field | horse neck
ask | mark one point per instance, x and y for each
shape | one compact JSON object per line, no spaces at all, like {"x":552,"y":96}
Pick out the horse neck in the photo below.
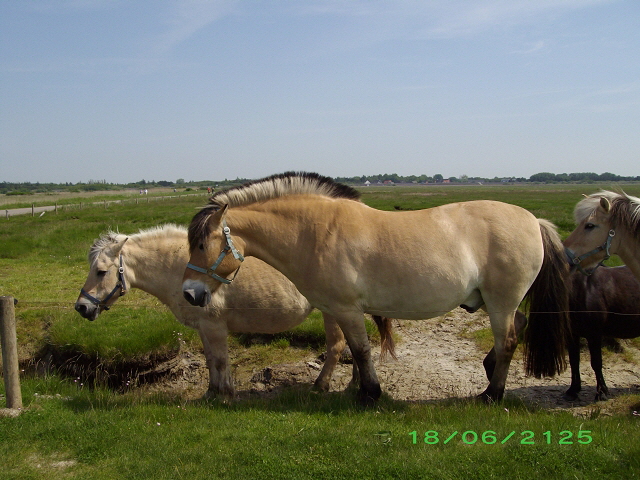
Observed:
{"x":629,"y":251}
{"x":273,"y":235}
{"x":155,"y":264}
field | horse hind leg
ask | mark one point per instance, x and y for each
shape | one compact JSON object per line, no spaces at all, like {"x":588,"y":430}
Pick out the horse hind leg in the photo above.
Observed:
{"x":595,"y":352}
{"x":335,"y":345}
{"x":489,"y":362}
{"x":505,"y":343}
{"x":574,"y":361}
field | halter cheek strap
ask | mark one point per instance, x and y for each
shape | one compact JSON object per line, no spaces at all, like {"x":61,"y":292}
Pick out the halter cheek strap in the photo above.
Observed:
{"x":229,"y":247}
{"x":577,"y":260}
{"x":121,"y":287}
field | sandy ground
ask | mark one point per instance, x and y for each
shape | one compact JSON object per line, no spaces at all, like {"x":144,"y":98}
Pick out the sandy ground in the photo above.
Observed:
{"x":435,"y":361}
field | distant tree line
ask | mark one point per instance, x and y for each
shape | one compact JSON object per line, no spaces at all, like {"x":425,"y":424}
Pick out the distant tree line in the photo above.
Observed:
{"x":544,"y":177}
{"x":10,"y":188}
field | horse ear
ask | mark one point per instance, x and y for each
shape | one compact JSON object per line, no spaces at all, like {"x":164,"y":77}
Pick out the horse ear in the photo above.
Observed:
{"x":219,"y":215}
{"x":605,"y":204}
{"x":118,"y":248}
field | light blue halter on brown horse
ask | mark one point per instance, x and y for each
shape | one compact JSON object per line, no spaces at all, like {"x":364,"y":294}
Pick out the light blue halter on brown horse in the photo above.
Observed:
{"x":608,"y":224}
{"x":348,"y":258}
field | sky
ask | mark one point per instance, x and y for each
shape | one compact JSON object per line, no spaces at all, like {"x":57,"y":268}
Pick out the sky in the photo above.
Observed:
{"x":128,"y":90}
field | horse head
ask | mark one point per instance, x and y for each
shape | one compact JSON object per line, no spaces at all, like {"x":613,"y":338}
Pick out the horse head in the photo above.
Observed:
{"x":106,"y":280}
{"x":593,"y":241}
{"x":214,"y":258}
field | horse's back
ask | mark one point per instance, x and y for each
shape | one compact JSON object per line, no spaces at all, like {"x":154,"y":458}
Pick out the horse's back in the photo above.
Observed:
{"x":435,"y":259}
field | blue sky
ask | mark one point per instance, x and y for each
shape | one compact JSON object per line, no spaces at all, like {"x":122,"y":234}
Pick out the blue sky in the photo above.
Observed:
{"x":160,"y":90}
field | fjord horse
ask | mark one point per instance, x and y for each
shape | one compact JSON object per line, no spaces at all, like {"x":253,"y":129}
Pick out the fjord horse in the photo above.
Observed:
{"x":608,"y":224}
{"x":262,"y":300}
{"x":348,"y":258}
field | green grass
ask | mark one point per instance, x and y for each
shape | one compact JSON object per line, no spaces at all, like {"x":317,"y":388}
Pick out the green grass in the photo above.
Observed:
{"x":85,"y":433}
{"x":88,"y":431}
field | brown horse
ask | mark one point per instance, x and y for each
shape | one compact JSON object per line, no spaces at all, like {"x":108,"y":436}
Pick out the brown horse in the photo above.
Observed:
{"x":605,"y":303}
{"x":261,"y":301}
{"x":608,"y":224}
{"x":348,"y":258}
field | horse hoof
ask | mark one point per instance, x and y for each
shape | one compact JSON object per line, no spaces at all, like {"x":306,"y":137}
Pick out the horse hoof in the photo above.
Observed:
{"x":570,"y":396}
{"x":368,"y":399}
{"x":320,"y":387}
{"x":601,"y":397}
{"x":489,"y":397}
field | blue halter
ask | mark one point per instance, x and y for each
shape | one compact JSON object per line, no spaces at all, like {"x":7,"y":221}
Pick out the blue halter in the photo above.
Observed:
{"x":229,"y":247}
{"x":576,"y":261}
{"x":121,"y":286}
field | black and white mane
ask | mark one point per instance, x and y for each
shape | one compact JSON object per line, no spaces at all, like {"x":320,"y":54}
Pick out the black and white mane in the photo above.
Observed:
{"x":624,"y":211}
{"x":274,"y":186}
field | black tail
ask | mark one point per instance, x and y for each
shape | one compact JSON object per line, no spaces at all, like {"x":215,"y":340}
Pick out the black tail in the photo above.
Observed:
{"x":545,"y":337}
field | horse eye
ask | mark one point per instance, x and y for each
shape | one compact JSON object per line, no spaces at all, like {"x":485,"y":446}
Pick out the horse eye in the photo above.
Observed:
{"x":102,"y":273}
{"x":589,"y":226}
{"x":201,"y":246}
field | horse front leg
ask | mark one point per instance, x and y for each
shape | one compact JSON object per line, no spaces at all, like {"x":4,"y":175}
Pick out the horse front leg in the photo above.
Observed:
{"x":595,"y":352}
{"x":354,"y":330}
{"x":505,"y":343}
{"x":216,"y":352}
{"x":574,"y":361}
{"x":335,"y":346}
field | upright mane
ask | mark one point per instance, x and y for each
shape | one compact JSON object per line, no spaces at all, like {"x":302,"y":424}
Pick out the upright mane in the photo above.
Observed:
{"x":624,"y":211}
{"x":111,"y":238}
{"x":274,"y":186}
{"x":280,"y":185}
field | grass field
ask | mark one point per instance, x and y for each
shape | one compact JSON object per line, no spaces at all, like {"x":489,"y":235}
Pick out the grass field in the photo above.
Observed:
{"x":74,"y":430}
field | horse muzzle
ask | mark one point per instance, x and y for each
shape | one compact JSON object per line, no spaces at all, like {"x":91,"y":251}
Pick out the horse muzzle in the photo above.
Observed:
{"x":87,"y":310}
{"x":196,"y":293}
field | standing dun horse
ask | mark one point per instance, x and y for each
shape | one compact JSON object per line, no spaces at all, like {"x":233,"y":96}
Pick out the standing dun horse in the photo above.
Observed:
{"x":608,"y":224}
{"x":261,"y":301}
{"x":348,"y":258}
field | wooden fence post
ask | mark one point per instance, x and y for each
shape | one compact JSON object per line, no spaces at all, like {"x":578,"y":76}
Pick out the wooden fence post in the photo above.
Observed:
{"x":9,"y":345}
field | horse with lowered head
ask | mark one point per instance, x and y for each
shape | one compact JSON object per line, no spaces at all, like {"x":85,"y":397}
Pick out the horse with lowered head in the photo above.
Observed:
{"x":261,"y":300}
{"x":349,"y":259}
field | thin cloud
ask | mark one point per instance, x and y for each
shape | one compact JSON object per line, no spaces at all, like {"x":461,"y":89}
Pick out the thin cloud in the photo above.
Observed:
{"x":188,"y":17}
{"x":532,"y":48}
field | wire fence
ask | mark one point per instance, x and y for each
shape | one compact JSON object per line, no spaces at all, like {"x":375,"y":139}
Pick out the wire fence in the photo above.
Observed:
{"x":142,"y":199}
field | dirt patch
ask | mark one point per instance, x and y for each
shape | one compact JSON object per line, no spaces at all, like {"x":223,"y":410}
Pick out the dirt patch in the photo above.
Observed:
{"x":435,"y":362}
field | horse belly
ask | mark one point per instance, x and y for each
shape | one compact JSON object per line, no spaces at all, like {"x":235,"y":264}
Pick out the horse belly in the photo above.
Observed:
{"x":621,"y":326}
{"x":422,"y":300}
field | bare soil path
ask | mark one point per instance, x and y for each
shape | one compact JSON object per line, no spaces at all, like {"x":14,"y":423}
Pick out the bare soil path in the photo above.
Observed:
{"x":435,"y":361}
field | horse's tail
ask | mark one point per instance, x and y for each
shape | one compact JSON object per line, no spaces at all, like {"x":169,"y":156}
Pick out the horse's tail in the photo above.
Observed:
{"x":387,"y":345}
{"x":545,"y":337}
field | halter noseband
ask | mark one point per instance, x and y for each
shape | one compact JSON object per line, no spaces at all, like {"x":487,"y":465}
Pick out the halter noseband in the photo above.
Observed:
{"x":229,"y":247}
{"x":121,"y":286}
{"x":576,"y":261}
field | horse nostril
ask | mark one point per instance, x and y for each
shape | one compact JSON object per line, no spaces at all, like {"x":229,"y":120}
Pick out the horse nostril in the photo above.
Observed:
{"x":190,"y":295}
{"x":81,"y":309}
